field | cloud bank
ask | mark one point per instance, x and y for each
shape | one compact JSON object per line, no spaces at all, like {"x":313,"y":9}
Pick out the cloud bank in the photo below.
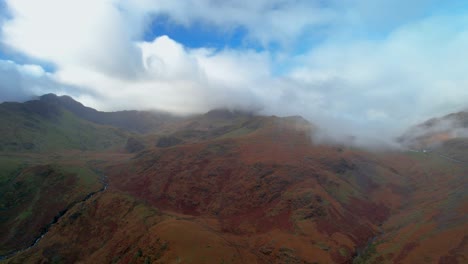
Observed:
{"x":374,"y":67}
{"x":20,"y":82}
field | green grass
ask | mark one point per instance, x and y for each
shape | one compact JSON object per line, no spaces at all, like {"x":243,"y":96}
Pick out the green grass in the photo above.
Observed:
{"x":87,"y":176}
{"x":32,"y":194}
{"x":9,"y":168}
{"x":343,"y":192}
{"x":30,"y":132}
{"x":25,"y":214}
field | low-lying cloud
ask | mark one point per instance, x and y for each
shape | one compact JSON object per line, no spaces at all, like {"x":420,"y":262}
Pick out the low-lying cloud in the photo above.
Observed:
{"x":357,"y":79}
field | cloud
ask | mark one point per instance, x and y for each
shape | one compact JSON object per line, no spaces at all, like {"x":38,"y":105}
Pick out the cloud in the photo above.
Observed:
{"x":22,"y":82}
{"x":266,"y":21}
{"x":414,"y":73}
{"x":94,"y":33}
{"x":176,"y":79}
{"x":373,"y":70}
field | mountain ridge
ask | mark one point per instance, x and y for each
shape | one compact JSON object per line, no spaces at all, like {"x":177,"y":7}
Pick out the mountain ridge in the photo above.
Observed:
{"x":130,"y":120}
{"x":224,"y":187}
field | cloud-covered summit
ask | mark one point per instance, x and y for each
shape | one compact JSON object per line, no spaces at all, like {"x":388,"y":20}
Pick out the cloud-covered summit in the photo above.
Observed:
{"x":372,"y":66}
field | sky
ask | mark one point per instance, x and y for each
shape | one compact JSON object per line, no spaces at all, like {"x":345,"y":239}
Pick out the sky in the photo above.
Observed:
{"x":353,"y":67}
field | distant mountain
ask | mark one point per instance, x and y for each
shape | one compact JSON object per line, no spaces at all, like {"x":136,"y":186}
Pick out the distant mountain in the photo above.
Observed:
{"x":134,"y":121}
{"x":447,"y":135}
{"x":40,"y":125}
{"x":435,"y":131}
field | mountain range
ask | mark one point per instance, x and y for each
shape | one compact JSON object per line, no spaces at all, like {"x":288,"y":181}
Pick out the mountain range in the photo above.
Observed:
{"x":227,"y":186}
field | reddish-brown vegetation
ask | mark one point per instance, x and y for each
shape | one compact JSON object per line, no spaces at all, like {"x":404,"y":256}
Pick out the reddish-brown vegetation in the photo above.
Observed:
{"x":263,"y":194}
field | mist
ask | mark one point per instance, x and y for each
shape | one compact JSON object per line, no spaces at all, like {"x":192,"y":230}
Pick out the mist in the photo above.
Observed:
{"x":435,"y":131}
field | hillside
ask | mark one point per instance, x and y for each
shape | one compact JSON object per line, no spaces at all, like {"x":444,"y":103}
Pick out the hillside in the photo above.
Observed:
{"x":35,"y":194}
{"x":227,"y":187}
{"x":38,"y":126}
{"x":447,"y":135}
{"x":133,"y":121}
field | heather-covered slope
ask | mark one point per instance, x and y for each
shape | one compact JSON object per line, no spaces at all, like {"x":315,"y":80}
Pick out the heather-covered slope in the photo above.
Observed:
{"x":270,"y":183}
{"x":233,"y":187}
{"x":432,"y":226}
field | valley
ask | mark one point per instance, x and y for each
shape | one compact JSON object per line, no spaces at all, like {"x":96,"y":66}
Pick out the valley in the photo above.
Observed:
{"x":222,"y":187}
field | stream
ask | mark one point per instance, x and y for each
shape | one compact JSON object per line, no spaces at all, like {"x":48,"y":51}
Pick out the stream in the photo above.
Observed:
{"x":57,"y":217}
{"x":363,"y":250}
{"x":103,"y":180}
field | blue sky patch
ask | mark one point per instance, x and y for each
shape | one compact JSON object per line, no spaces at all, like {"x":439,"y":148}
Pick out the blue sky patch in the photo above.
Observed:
{"x":199,"y":34}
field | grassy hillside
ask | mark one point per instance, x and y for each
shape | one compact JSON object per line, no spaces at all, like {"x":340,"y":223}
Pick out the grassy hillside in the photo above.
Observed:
{"x":37,"y":126}
{"x":134,"y":121}
{"x":32,"y":195}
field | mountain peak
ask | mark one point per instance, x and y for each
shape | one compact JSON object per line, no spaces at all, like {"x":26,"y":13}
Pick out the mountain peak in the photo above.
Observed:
{"x":224,"y":113}
{"x":63,"y":100}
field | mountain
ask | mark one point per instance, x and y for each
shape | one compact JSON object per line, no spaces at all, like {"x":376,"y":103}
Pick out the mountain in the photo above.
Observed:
{"x":34,"y":195}
{"x":39,"y":126}
{"x":133,"y":121}
{"x":447,"y":135}
{"x":223,"y":187}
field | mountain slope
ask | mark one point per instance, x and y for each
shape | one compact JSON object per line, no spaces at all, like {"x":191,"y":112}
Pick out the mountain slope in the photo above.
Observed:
{"x":271,"y":182}
{"x":447,"y":135}
{"x":233,"y":187}
{"x":40,"y":126}
{"x":134,"y":121}
{"x":33,"y":195}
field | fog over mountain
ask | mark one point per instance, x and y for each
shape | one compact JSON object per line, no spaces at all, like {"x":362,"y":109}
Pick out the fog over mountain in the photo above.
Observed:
{"x":367,"y":69}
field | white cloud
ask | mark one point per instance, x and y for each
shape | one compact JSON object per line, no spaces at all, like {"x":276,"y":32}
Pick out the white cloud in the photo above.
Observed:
{"x":414,"y":73}
{"x":374,"y":86}
{"x":175,"y":79}
{"x":22,"y":82}
{"x":267,"y":21}
{"x":165,"y":59}
{"x":92,"y":33}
